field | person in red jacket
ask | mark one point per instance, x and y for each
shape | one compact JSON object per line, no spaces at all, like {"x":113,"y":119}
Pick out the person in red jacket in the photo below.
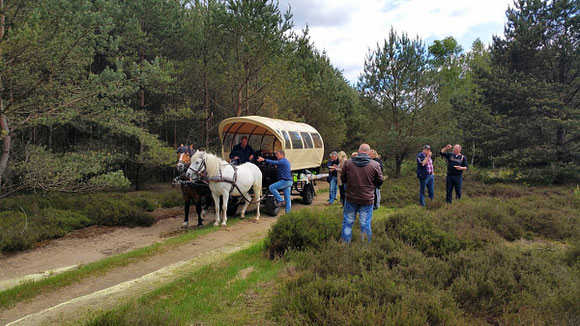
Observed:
{"x":362,"y":176}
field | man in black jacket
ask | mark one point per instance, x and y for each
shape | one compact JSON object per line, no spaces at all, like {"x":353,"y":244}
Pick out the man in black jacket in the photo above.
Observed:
{"x":456,"y":164}
{"x":242,"y":152}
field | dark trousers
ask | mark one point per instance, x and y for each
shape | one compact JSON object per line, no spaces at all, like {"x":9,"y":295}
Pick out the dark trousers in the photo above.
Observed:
{"x":450,"y":182}
{"x":341,"y":192}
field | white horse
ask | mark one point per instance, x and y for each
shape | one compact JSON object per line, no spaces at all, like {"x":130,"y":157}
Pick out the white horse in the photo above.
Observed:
{"x":222,"y":178}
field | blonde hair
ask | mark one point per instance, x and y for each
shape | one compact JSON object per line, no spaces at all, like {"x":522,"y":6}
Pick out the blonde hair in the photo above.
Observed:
{"x":374,"y":153}
{"x":342,"y":156}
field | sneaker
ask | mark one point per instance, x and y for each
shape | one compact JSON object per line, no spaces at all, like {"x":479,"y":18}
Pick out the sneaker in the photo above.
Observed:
{"x":328,"y":203}
{"x":278,"y":203}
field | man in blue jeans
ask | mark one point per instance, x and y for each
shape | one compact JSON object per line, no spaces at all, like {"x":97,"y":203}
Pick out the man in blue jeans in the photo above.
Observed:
{"x":362,"y":175}
{"x":284,"y":182}
{"x":425,"y":174}
{"x":332,"y":178}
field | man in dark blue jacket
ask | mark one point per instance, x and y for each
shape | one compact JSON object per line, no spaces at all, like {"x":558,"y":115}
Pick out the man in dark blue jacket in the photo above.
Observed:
{"x":456,"y":164}
{"x":425,"y":174}
{"x":284,"y":182}
{"x":242,"y":152}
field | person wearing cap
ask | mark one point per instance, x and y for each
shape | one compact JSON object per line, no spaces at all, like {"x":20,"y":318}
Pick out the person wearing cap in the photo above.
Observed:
{"x":332,"y":177}
{"x":425,"y":174}
{"x":456,"y":164}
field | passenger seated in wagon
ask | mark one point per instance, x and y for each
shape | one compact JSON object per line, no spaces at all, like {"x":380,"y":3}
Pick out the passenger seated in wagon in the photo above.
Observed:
{"x":242,"y":152}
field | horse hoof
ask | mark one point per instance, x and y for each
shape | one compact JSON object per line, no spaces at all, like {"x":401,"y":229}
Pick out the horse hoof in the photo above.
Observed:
{"x":184,"y":225}
{"x":200,"y":225}
{"x":224,"y":224}
{"x":216,"y":224}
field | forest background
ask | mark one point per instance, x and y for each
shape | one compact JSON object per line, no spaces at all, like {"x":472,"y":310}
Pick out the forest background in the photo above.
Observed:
{"x":97,"y":95}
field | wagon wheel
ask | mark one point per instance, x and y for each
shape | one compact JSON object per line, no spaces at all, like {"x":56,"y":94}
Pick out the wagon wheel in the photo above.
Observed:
{"x":308,"y":194}
{"x":271,"y":208}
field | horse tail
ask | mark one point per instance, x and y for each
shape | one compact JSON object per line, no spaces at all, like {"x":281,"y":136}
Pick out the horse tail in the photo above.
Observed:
{"x":258,"y":186}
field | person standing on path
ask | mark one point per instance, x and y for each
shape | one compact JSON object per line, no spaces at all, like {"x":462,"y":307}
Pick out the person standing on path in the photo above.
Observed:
{"x":332,"y":177}
{"x":425,"y":174}
{"x":377,"y":158}
{"x":342,"y":158}
{"x":362,"y":176}
{"x":285,"y":180}
{"x":456,"y":164}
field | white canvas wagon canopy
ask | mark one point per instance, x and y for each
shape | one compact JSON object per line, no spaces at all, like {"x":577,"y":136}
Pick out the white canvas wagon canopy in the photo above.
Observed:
{"x":302,"y":144}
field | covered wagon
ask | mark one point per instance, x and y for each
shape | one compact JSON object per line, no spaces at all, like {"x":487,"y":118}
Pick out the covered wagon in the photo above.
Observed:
{"x":302,"y":144}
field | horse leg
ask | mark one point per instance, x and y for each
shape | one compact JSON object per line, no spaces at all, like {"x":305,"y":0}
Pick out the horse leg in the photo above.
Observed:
{"x":257,"y":196}
{"x":185,"y":223}
{"x":246,"y":204}
{"x":216,"y":201}
{"x":225,"y":209}
{"x":198,"y":211}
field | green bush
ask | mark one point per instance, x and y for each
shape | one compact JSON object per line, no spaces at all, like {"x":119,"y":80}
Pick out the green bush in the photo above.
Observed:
{"x":417,"y":228}
{"x":20,"y":231}
{"x":52,"y":215}
{"x":113,"y":212}
{"x":301,"y":230}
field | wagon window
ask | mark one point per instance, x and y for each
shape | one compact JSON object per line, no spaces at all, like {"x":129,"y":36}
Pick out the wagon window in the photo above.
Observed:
{"x":267,"y":146}
{"x":296,"y":139}
{"x":228,"y":143}
{"x":307,"y":140}
{"x":286,"y":139}
{"x":317,"y":140}
{"x":254,"y":141}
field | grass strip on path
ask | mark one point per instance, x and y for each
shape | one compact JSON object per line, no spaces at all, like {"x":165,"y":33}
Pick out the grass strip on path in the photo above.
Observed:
{"x":28,"y":290}
{"x":233,"y":291}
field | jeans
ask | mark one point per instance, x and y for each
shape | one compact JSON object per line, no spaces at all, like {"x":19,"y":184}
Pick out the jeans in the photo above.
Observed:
{"x":377,"y":202}
{"x":285,"y":185}
{"x":332,"y":190}
{"x":450,"y":182}
{"x":428,"y":182}
{"x":349,"y":215}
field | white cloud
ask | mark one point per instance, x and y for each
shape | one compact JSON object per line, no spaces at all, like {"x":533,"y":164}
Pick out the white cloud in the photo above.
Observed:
{"x":346,"y":29}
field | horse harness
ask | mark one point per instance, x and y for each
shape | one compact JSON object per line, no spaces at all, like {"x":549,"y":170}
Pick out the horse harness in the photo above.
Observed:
{"x":232,"y":181}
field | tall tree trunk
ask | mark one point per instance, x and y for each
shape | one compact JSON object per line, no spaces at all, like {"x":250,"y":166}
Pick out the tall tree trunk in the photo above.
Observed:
{"x":4,"y":128}
{"x":206,"y":107}
{"x":398,"y":163}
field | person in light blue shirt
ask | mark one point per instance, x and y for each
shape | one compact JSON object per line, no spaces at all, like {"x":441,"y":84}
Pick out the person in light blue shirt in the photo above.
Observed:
{"x":284,"y":182}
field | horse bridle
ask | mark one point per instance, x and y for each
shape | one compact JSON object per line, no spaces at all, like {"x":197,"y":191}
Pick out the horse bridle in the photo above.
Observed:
{"x":202,"y":167}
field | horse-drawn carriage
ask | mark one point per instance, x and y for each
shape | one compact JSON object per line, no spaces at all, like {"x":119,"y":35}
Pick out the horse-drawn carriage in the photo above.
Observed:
{"x":302,"y":144}
{"x":248,"y":183}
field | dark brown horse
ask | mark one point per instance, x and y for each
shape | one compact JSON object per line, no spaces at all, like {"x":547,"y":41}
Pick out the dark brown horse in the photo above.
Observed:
{"x":198,"y":193}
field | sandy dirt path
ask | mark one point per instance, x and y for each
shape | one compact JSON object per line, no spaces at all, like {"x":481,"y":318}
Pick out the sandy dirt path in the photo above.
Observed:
{"x":100,"y":291}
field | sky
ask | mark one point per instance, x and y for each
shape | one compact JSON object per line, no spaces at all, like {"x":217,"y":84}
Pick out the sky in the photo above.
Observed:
{"x":346,"y":29}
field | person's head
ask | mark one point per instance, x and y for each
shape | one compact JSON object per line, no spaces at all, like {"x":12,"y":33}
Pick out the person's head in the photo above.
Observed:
{"x":354,"y":154}
{"x":280,"y":154}
{"x":426,"y":149}
{"x":244,"y":140}
{"x":342,"y":156}
{"x":364,"y":149}
{"x":180,"y":145}
{"x":373,"y":154}
{"x":333,"y":155}
{"x":457,"y":149}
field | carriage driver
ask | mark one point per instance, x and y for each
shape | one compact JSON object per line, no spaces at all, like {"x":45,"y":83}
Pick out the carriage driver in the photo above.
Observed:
{"x":284,"y":178}
{"x":242,"y":152}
